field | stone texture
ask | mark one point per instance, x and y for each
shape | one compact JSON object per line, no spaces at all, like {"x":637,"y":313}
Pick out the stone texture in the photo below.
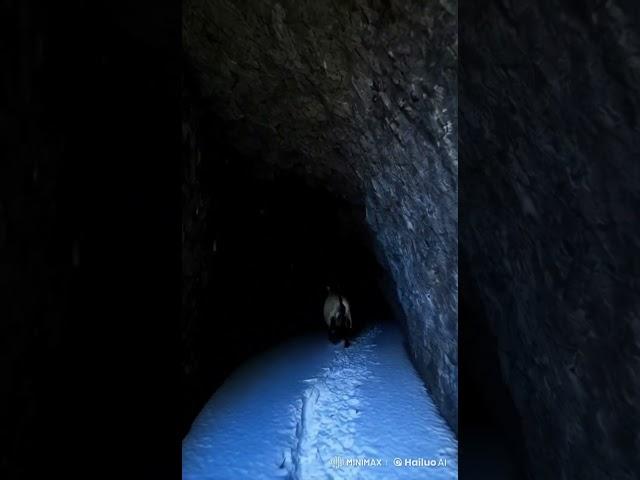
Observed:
{"x":359,"y":97}
{"x":549,"y":151}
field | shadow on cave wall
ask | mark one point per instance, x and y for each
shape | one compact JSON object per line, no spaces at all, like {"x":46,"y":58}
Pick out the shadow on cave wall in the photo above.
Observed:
{"x":491,"y":439}
{"x":259,"y":247}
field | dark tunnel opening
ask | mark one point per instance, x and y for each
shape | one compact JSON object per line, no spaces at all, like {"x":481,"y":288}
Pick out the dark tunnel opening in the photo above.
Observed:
{"x":260,"y":246}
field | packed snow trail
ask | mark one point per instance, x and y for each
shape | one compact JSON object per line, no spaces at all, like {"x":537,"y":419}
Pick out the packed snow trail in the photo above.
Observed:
{"x":311,"y":410}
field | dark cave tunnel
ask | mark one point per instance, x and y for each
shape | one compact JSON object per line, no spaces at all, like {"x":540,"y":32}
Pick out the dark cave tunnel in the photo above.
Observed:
{"x":329,"y":179}
{"x":329,"y":154}
{"x":259,"y":249}
{"x":259,"y":246}
{"x":371,"y":205}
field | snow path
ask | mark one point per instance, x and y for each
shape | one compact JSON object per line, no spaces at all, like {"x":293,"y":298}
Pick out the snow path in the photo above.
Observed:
{"x":327,"y":412}
{"x":308,"y":409}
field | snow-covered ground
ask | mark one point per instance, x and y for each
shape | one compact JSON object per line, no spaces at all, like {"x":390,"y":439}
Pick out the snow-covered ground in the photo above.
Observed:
{"x":311,"y":410}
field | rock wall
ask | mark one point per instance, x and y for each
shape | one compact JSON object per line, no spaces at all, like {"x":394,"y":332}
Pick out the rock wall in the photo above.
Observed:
{"x":549,"y":150}
{"x":359,"y":96}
